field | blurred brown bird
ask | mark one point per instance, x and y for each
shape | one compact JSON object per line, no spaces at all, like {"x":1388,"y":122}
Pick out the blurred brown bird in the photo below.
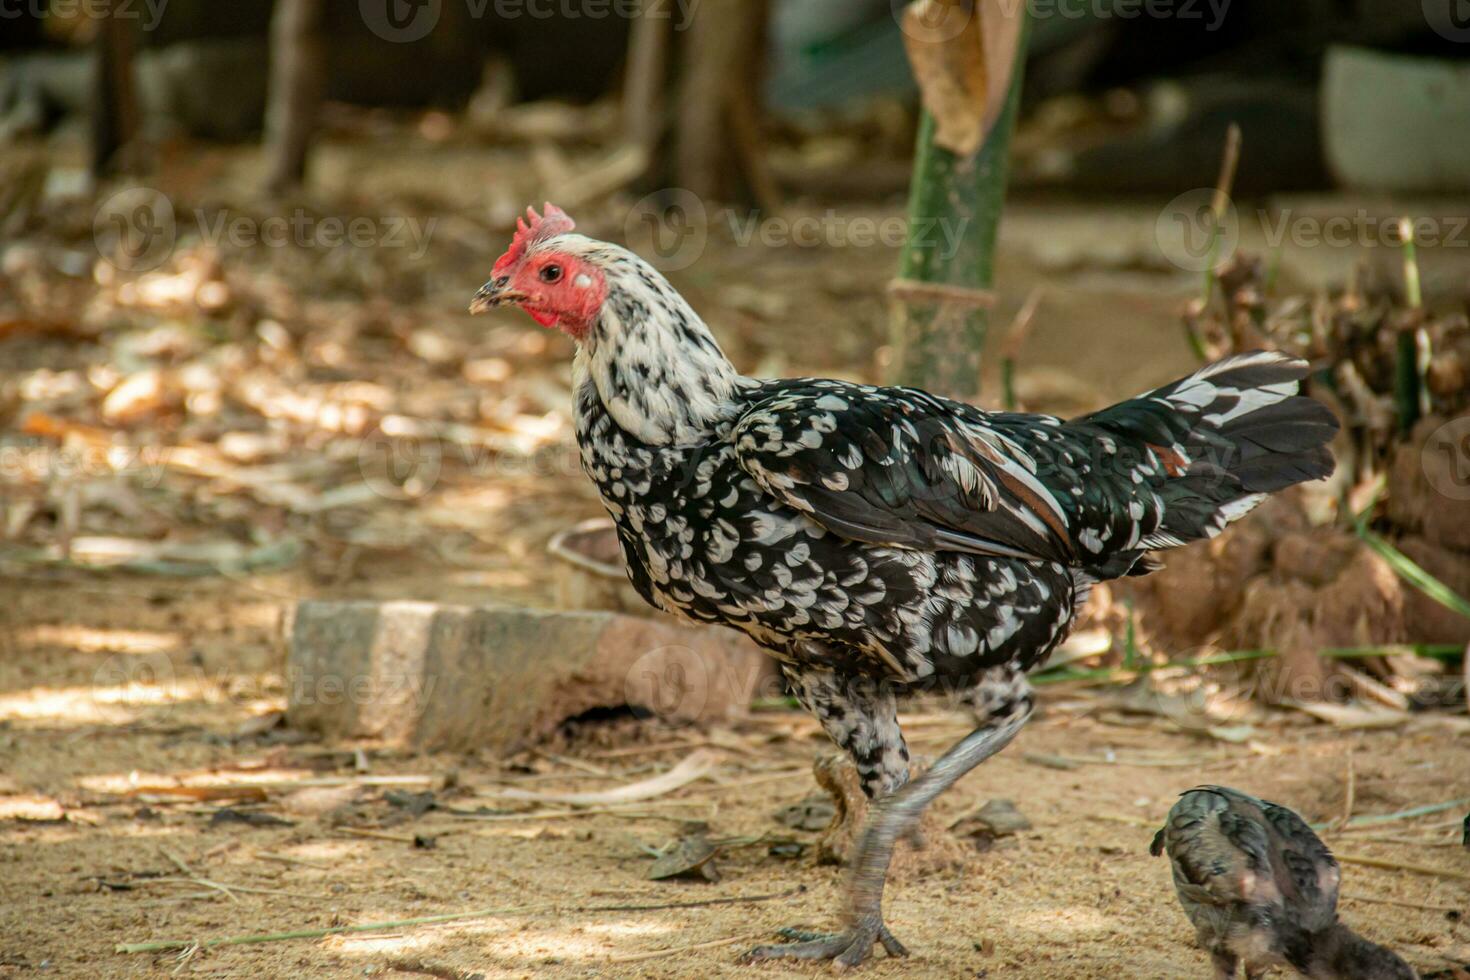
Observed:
{"x":1261,"y":888}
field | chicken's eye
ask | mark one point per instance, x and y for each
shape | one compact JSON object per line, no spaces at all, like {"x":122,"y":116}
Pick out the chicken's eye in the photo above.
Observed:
{"x":551,"y":273}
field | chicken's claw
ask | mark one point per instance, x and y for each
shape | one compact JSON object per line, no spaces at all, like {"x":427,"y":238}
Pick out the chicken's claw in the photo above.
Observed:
{"x":845,"y":949}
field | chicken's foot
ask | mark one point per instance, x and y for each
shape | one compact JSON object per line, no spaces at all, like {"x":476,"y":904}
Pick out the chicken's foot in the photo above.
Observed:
{"x":888,"y":819}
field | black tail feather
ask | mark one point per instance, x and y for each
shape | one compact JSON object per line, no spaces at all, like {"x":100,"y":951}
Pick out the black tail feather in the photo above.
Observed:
{"x":1239,"y":431}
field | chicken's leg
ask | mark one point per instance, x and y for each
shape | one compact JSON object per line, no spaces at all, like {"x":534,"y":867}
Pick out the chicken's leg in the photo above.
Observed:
{"x":1226,"y":964}
{"x":861,"y":716}
{"x":1004,"y":697}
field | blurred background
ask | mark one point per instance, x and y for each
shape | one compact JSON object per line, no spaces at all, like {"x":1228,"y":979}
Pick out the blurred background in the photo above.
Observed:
{"x":237,"y":243}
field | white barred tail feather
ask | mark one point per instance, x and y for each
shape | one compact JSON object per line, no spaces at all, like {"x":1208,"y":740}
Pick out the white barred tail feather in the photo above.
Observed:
{"x":1229,"y":434}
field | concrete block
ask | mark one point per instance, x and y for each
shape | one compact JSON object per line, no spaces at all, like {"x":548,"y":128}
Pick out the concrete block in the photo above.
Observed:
{"x":1398,"y":124}
{"x":458,"y":677}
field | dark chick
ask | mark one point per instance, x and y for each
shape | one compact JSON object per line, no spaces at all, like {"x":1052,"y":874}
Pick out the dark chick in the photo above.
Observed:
{"x":1261,"y":889}
{"x":881,"y":542}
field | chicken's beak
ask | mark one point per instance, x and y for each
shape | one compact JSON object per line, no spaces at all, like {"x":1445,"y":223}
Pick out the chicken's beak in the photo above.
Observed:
{"x":493,"y":294}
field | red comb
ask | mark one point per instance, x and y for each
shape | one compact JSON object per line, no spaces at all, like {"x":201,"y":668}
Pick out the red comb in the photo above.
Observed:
{"x":538,"y":228}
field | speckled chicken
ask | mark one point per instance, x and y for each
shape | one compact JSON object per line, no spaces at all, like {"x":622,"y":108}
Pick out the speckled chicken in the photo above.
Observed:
{"x":1261,"y":889}
{"x":880,"y":542}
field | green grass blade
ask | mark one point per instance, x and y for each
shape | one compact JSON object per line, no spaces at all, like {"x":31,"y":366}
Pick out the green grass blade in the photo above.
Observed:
{"x":1413,"y":573}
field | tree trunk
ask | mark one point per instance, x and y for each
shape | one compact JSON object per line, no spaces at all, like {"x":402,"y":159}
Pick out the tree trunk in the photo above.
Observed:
{"x":942,"y":299}
{"x":297,"y":77}
{"x":644,"y":80}
{"x":114,"y":98}
{"x":719,"y":104}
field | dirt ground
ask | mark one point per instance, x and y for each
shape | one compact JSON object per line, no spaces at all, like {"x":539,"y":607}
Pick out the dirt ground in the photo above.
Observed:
{"x":1075,"y":896}
{"x":116,"y":689}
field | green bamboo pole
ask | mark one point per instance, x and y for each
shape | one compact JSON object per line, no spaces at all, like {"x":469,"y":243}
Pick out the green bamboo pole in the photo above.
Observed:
{"x":954,"y":213}
{"x":1411,"y":388}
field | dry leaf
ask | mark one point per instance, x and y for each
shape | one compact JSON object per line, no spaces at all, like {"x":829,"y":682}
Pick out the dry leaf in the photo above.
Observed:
{"x":30,"y":807}
{"x":317,"y":800}
{"x":694,"y":766}
{"x":691,"y":857}
{"x":963,"y":55}
{"x":1352,"y":715}
{"x":134,"y":397}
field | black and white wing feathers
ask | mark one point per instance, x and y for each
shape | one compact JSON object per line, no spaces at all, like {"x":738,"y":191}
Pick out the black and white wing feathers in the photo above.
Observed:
{"x":895,"y":466}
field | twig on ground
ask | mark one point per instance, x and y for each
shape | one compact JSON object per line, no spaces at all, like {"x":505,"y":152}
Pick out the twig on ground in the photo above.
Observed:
{"x":1375,"y":690}
{"x":229,"y":889}
{"x":288,"y":859}
{"x":649,"y":749}
{"x":1381,"y":900}
{"x":676,"y":950}
{"x":1407,"y":841}
{"x":192,"y":875}
{"x":1349,"y":794}
{"x":1374,"y":819}
{"x":573,"y":763}
{"x":1388,"y":864}
{"x":591,"y":811}
{"x":695,"y":766}
{"x":259,"y":790}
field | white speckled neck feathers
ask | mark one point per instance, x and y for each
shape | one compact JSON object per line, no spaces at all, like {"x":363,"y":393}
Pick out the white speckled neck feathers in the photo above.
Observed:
{"x":653,"y":363}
